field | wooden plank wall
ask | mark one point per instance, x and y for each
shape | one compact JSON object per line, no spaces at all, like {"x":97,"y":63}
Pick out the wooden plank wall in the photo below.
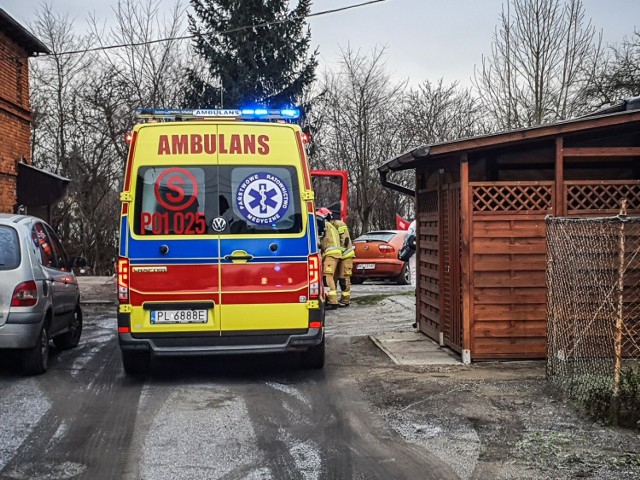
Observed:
{"x":428,"y":264}
{"x":451,"y":303}
{"x":508,"y":262}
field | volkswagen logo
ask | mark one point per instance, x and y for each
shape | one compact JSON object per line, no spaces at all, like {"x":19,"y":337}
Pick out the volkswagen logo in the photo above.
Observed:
{"x":218,"y":224}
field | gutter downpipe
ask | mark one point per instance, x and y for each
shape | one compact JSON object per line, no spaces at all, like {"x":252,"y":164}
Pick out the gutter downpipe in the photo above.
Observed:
{"x":419,"y":153}
{"x":394,"y":186}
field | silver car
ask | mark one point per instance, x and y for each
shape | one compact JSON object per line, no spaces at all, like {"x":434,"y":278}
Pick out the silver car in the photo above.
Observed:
{"x":39,"y":295}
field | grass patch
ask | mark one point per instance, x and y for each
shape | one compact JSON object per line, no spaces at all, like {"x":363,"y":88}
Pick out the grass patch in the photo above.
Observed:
{"x":599,"y":401}
{"x":369,"y":299}
{"x":544,"y":443}
{"x":377,"y":298}
{"x":408,"y":293}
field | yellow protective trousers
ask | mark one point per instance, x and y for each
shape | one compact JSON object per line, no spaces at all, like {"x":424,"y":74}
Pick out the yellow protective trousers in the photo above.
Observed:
{"x":329,"y":266}
{"x":345,"y":269}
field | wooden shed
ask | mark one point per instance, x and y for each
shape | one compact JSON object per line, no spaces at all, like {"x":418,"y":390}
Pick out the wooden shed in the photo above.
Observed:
{"x":480,"y":208}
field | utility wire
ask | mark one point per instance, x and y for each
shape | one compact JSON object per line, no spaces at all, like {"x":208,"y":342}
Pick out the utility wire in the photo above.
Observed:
{"x":199,"y":35}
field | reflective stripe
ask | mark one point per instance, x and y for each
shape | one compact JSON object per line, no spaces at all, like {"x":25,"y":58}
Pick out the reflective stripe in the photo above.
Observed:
{"x":346,"y":294}
{"x":331,"y":242}
{"x":349,"y":252}
{"x":332,"y":250}
{"x":342,"y":229}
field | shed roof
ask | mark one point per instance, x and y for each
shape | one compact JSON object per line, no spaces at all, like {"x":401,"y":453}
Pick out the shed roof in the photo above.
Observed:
{"x":21,"y":35}
{"x":619,"y":114}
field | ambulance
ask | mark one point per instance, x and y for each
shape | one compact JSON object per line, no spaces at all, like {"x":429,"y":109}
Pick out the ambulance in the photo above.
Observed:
{"x":218,"y":246}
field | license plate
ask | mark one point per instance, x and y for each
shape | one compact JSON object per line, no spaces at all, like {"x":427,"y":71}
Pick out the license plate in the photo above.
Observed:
{"x":178,"y":316}
{"x":366,"y":266}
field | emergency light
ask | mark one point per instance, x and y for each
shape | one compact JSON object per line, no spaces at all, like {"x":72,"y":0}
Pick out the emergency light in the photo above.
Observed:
{"x":169,"y":114}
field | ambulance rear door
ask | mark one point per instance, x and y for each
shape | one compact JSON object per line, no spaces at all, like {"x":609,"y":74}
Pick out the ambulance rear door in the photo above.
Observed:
{"x":173,"y":250}
{"x":264,"y":235}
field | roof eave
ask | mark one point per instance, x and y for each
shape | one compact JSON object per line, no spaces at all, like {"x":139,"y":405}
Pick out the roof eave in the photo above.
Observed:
{"x":414,"y":157}
{"x":21,"y":35}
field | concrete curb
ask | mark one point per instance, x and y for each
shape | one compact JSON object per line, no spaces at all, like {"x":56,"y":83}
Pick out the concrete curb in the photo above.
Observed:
{"x":413,"y":348}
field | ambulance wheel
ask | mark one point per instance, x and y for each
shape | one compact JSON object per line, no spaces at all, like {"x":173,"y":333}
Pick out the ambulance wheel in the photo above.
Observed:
{"x":136,"y":363}
{"x":314,"y":357}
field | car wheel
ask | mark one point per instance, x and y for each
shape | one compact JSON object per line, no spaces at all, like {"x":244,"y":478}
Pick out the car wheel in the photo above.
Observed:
{"x":35,"y":360}
{"x":136,"y":363}
{"x":71,"y":337}
{"x":405,"y":277}
{"x":313,"y":358}
{"x":357,"y":280}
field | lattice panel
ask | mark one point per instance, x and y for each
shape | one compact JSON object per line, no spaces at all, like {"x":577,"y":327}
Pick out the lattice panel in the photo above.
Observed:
{"x":510,"y":198}
{"x":603,"y":197}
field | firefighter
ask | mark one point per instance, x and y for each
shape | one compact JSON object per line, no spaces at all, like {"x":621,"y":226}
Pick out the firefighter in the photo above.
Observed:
{"x":345,"y":267}
{"x":331,"y":256}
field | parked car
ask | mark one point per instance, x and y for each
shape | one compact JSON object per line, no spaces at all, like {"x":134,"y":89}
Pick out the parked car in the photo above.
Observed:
{"x":39,"y":295}
{"x":377,"y":257}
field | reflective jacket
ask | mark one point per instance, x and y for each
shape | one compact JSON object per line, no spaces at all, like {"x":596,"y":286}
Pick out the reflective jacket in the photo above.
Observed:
{"x":348,"y":250}
{"x":330,"y":243}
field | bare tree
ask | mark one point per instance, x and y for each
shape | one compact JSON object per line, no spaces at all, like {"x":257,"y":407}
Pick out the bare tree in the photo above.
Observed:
{"x":56,"y":80}
{"x":436,"y":112}
{"x":539,"y":63}
{"x":84,"y":105}
{"x":357,"y":118}
{"x":148,"y":70}
{"x":618,"y":76}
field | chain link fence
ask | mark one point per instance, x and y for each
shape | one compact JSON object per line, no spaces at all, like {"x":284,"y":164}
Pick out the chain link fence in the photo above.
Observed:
{"x":593,"y":312}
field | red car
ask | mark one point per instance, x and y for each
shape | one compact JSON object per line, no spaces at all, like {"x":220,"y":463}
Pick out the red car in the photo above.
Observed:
{"x":377,"y":257}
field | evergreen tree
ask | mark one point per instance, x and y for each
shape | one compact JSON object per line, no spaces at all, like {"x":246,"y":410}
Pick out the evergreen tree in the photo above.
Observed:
{"x":255,"y":50}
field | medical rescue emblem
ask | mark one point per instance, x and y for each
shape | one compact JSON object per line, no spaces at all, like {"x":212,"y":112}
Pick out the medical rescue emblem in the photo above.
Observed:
{"x":262,"y":198}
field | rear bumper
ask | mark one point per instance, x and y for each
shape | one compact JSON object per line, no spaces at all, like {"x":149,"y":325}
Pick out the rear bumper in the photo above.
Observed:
{"x":21,"y":330}
{"x":382,"y":270}
{"x":216,"y":343}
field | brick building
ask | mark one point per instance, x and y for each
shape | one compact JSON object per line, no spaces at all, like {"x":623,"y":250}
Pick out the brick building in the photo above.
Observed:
{"x":22,"y":186}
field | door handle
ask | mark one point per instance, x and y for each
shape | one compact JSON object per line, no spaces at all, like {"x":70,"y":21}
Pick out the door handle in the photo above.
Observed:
{"x":246,"y":258}
{"x":239,"y":256}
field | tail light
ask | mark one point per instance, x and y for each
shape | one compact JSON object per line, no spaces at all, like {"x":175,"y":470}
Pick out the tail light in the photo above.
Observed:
{"x":314,"y":277}
{"x":25,"y":294}
{"x":123,"y":280}
{"x":386,"y":248}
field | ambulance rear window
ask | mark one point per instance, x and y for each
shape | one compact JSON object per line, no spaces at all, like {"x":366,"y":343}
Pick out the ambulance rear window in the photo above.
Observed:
{"x":209,"y":199}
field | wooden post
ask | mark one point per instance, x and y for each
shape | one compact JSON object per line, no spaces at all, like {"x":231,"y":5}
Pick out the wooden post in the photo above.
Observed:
{"x":417,"y":219}
{"x":465,"y":260}
{"x":617,"y":366}
{"x":559,"y":207}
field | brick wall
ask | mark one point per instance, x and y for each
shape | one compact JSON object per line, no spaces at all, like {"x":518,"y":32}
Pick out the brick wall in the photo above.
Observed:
{"x":15,"y":117}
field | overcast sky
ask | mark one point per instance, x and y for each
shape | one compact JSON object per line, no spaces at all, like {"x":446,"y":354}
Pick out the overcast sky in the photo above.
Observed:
{"x":424,"y":39}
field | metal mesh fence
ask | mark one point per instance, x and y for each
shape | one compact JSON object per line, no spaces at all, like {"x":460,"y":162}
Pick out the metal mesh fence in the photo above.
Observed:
{"x":593,"y":312}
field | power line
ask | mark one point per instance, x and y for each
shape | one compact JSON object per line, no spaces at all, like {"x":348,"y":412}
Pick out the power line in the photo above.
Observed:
{"x":223,"y":32}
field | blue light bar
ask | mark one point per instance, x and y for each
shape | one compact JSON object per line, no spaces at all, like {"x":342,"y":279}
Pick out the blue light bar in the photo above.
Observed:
{"x":290,"y":112}
{"x":260,"y":113}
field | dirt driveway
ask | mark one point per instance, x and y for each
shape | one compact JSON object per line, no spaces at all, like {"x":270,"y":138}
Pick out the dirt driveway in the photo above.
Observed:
{"x":485,"y":421}
{"x":490,"y":420}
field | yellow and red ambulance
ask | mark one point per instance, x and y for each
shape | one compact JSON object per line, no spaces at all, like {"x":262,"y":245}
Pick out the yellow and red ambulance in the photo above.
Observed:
{"x":218,"y":245}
